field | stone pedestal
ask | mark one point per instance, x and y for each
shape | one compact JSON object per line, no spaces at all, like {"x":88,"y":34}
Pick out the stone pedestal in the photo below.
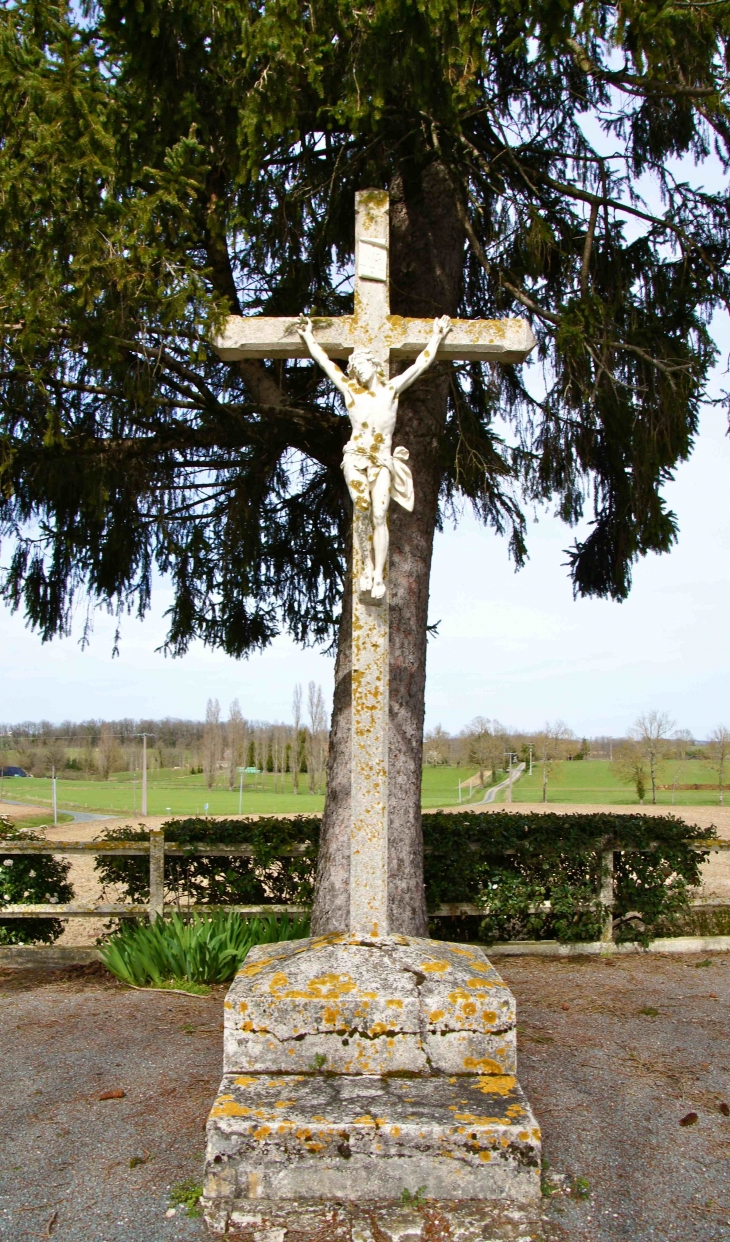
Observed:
{"x":357,"y":1069}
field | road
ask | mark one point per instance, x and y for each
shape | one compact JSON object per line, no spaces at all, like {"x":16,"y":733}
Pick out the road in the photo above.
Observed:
{"x":516,"y":774}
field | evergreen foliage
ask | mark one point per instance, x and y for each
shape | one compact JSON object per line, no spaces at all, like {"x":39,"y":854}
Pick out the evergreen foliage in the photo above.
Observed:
{"x":511,"y":863}
{"x":162,"y":164}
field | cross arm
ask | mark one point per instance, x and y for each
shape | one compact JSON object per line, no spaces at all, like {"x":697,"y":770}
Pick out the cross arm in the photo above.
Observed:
{"x":260,"y":336}
{"x":469,"y":340}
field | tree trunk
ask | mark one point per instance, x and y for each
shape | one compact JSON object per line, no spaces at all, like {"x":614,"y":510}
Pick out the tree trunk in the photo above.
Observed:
{"x":427,"y":244}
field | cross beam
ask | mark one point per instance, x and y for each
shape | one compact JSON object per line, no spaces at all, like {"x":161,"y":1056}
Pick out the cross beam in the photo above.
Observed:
{"x":471,"y":340}
{"x":389,"y":337}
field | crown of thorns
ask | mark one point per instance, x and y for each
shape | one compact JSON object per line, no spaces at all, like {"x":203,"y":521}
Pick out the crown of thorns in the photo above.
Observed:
{"x":364,"y":355}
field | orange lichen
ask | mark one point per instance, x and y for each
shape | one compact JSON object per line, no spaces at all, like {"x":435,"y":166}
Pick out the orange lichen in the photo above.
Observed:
{"x":496,"y":1084}
{"x":482,"y":1065}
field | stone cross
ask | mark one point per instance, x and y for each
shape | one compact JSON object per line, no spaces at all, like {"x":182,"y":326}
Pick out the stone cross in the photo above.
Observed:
{"x":388,"y":338}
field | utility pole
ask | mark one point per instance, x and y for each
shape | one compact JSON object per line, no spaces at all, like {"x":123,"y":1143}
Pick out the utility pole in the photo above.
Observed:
{"x":53,"y":793}
{"x":144,"y":737}
{"x":509,"y":787}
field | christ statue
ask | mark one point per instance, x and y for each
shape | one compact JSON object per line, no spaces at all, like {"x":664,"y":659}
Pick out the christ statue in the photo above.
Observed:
{"x":374,"y":472}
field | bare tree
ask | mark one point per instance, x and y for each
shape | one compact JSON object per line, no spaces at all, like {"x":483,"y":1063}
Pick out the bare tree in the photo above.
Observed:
{"x":296,"y":710}
{"x":684,"y":742}
{"x":108,"y":752}
{"x":718,"y":754}
{"x":651,"y":731}
{"x":481,"y":746}
{"x":437,"y":746}
{"x":211,"y":741}
{"x":550,"y":746}
{"x":317,"y":750}
{"x":236,"y":738}
{"x":55,"y":756}
{"x":88,"y":760}
{"x":630,"y":766}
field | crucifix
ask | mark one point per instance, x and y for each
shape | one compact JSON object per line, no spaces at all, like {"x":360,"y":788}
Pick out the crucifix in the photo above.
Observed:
{"x":372,"y":339}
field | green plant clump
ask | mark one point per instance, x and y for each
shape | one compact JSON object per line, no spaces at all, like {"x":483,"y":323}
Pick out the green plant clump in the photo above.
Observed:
{"x":187,"y":1194}
{"x":35,"y":879}
{"x":198,"y":949}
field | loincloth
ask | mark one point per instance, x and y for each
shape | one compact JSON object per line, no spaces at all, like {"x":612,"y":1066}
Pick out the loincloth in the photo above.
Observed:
{"x":370,"y":465}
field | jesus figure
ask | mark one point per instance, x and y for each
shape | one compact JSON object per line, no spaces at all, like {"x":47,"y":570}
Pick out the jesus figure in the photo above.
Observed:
{"x":373,"y":471}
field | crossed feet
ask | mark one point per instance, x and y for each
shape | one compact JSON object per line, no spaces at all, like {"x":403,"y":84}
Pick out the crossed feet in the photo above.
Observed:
{"x":372,"y":584}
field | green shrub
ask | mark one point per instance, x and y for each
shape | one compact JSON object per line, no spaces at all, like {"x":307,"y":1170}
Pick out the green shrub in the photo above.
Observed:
{"x":507,"y":862}
{"x":200,"y":949}
{"x":195,"y":879}
{"x":706,"y":921}
{"x":33,"y":879}
{"x":510,"y":862}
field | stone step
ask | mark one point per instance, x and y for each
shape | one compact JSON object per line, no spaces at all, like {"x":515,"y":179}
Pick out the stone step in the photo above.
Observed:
{"x":337,"y":1137}
{"x":389,"y":1221}
{"x":363,"y":1006}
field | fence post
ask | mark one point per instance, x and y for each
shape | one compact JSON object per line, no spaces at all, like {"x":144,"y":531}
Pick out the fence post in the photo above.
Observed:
{"x":605,"y":893}
{"x":157,"y":874}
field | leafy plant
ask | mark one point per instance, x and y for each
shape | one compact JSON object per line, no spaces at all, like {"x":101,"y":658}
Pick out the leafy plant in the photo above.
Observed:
{"x":513,"y":864}
{"x":415,"y":1198}
{"x":510,"y":864}
{"x":200,"y":949}
{"x":187,"y":1194}
{"x":30,"y":880}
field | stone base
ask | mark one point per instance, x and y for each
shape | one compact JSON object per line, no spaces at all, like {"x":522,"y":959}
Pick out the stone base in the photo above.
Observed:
{"x":315,"y":1220}
{"x":358,"y":1069}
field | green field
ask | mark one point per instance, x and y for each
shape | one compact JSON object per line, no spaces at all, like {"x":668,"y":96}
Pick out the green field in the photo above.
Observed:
{"x":595,"y":781}
{"x":177,"y":793}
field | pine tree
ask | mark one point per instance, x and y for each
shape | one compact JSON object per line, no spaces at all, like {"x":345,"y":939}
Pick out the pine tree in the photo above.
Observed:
{"x":162,"y":165}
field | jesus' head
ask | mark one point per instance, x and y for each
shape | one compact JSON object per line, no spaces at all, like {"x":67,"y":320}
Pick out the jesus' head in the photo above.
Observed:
{"x":364,"y":367}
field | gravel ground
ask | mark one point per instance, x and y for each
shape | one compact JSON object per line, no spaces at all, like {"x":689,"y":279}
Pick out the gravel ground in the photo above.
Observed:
{"x":609,"y":1084}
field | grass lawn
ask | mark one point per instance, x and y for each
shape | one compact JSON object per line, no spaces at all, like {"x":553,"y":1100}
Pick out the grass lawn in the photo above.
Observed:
{"x":177,"y":793}
{"x":595,"y":780}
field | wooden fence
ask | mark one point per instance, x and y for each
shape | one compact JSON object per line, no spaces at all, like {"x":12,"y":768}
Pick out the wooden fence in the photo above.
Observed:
{"x":157,"y":849}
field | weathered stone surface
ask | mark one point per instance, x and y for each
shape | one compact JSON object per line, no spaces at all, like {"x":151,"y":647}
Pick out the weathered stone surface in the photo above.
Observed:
{"x":395,"y":1005}
{"x":357,"y":1068}
{"x":355,"y":1137}
{"x":304,"y":1220}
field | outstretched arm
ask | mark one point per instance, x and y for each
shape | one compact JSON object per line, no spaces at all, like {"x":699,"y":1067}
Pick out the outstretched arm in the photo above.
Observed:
{"x":425,"y":358}
{"x":330,"y":368}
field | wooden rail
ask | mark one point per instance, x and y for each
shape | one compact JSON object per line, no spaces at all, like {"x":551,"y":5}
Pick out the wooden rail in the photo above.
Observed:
{"x":157,"y":848}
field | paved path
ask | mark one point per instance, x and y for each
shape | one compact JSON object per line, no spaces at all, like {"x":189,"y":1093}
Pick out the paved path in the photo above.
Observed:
{"x":78,"y":817}
{"x":491,"y":793}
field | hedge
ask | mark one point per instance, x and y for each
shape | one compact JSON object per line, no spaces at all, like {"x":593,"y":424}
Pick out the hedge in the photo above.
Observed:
{"x":506,"y":862}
